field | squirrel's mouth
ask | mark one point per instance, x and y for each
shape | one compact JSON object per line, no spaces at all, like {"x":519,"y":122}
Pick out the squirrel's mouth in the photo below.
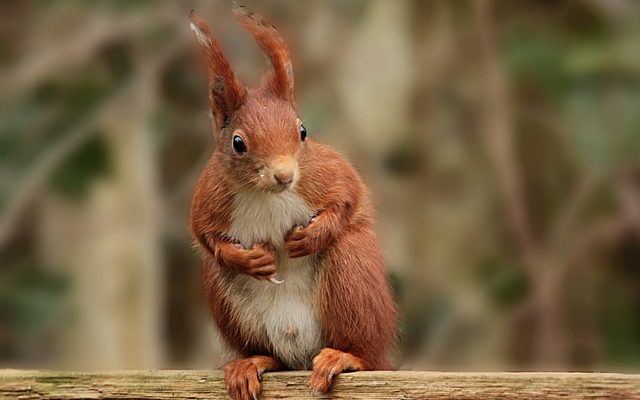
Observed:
{"x":280,"y":187}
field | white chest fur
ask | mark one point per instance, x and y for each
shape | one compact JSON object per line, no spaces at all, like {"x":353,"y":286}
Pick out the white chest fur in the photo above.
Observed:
{"x":283,"y":314}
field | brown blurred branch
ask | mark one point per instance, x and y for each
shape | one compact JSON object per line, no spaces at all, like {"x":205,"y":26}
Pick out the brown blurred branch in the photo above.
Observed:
{"x":498,"y":137}
{"x":542,"y":271}
{"x":99,"y":29}
{"x":572,"y":210}
{"x":600,"y":236}
{"x":39,"y":172}
{"x":629,"y":197}
{"x":604,"y":233}
{"x":615,"y":11}
{"x":47,"y":60}
{"x":37,"y":175}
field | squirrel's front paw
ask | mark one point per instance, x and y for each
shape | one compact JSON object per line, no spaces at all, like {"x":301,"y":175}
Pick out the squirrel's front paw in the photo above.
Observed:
{"x":258,"y":261}
{"x":242,"y":379}
{"x":329,"y":363}
{"x":243,"y":376}
{"x":305,"y":240}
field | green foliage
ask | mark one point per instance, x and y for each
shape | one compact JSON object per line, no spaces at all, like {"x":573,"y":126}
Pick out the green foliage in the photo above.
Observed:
{"x":503,"y":281}
{"x":75,"y":175}
{"x":621,"y":326}
{"x":128,"y":5}
{"x":590,"y":140}
{"x":60,"y":106}
{"x":74,"y":99}
{"x":424,"y":317}
{"x":404,"y":158}
{"x":30,"y":298}
{"x":605,"y":124}
{"x":634,"y":129}
{"x":397,"y":285}
{"x":621,"y":306}
{"x":538,"y":59}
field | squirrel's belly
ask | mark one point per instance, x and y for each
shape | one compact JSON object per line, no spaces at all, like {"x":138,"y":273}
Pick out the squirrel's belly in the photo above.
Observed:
{"x":282,"y":315}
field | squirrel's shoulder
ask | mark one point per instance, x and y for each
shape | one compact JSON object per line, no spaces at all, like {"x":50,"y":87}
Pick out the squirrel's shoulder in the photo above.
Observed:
{"x":326,"y":172}
{"x":322,"y":155}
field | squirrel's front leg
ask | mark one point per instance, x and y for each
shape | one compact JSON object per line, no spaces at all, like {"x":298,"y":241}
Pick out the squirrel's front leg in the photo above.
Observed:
{"x":316,"y":236}
{"x":258,"y":261}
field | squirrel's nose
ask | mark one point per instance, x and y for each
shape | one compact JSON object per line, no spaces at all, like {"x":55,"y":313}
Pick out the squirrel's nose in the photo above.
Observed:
{"x":284,"y":176}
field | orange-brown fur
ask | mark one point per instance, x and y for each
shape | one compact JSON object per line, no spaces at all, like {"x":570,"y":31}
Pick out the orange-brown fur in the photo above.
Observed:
{"x":352,"y":298}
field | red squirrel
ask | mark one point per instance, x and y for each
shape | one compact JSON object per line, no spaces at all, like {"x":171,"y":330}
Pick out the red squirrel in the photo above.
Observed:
{"x":293,"y":272}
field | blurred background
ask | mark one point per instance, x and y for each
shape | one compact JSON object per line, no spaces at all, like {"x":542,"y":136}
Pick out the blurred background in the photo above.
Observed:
{"x":501,"y":141}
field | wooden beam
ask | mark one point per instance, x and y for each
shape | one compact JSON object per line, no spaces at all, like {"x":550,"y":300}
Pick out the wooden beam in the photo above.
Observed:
{"x":167,"y":384}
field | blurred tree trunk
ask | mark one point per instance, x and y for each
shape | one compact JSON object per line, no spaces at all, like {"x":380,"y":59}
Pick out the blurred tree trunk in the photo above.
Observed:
{"x":453,"y":204}
{"x":111,"y":247}
{"x":497,"y":132}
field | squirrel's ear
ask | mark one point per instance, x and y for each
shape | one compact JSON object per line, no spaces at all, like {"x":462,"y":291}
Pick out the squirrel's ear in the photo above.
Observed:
{"x":226,"y":93}
{"x":281,"y":79}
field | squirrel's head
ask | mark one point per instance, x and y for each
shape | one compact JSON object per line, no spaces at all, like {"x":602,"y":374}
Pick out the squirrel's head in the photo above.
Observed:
{"x":258,"y":131}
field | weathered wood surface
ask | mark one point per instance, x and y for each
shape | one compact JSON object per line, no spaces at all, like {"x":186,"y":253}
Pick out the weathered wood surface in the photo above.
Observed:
{"x":166,"y":384}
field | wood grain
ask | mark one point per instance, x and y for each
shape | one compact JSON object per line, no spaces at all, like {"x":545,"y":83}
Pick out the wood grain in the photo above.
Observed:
{"x":167,"y":384}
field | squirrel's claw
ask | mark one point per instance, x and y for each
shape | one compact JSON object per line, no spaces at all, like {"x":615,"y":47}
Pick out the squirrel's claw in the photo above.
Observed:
{"x":275,"y":278}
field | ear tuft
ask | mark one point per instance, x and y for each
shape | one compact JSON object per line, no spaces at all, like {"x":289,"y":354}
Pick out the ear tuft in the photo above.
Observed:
{"x":202,"y":39}
{"x":226,"y":93}
{"x":237,"y":6}
{"x":198,"y":27}
{"x":268,"y":38}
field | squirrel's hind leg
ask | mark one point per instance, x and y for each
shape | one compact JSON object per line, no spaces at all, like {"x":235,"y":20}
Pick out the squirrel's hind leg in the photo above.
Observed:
{"x":356,"y":307}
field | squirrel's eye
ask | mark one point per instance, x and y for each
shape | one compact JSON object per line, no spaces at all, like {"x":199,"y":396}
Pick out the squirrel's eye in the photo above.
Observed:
{"x":238,"y":145}
{"x":303,"y":132}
